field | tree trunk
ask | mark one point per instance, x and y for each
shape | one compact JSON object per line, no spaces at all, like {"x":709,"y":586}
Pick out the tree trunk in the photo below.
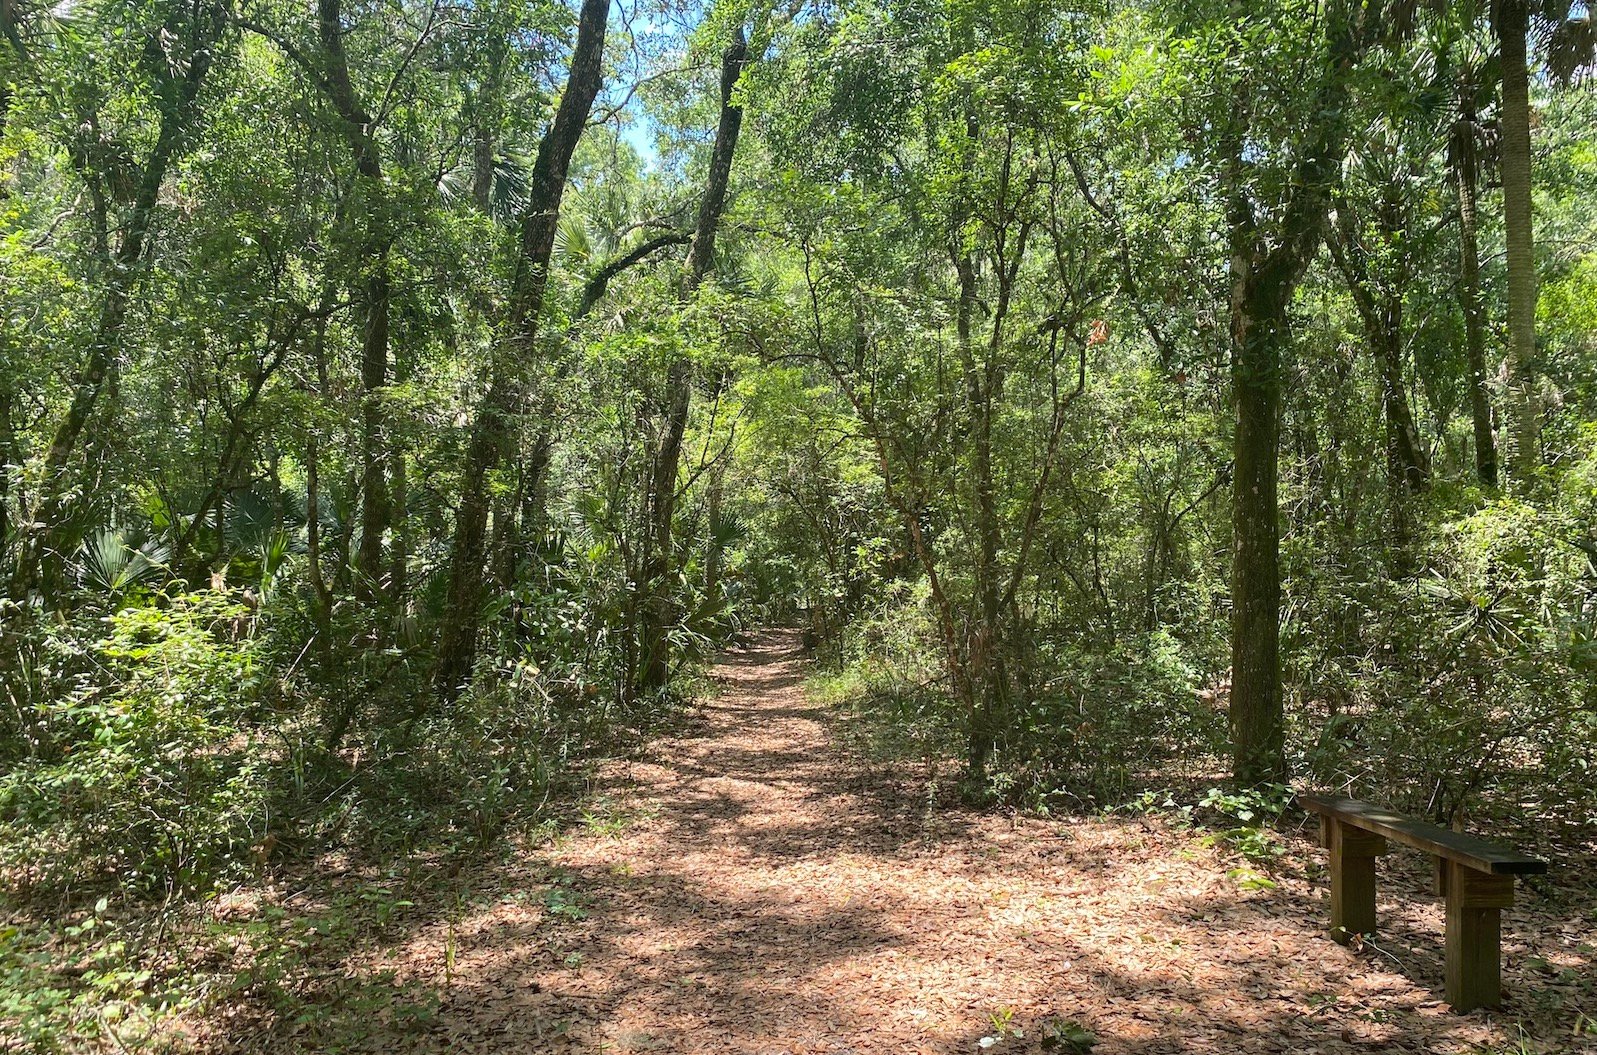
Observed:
{"x":8,"y":459}
{"x":1265,"y":270}
{"x":494,"y":427}
{"x":535,"y":488}
{"x":503,"y":538}
{"x":43,"y":533}
{"x":487,"y":115}
{"x":1377,"y":291}
{"x":533,"y":482}
{"x":1407,"y":463}
{"x":1408,"y":466}
{"x":712,"y":559}
{"x":1513,"y":25}
{"x":659,"y":562}
{"x":372,"y":252}
{"x":399,"y":519}
{"x":1256,"y":715}
{"x":659,"y":565}
{"x":986,"y":639}
{"x":321,"y":596}
{"x":375,"y":513}
{"x":1467,"y":178}
{"x":482,"y":166}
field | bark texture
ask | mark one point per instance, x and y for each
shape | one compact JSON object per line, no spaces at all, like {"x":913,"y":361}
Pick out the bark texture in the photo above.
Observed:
{"x":659,"y":566}
{"x":493,"y":429}
{"x":1513,"y":26}
{"x":1266,"y":268}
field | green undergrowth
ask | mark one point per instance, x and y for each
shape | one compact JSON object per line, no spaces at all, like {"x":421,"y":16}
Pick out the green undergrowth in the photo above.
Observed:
{"x":886,"y":716}
{"x":1084,"y":730}
{"x":1243,"y":825}
{"x":258,"y":965}
{"x":174,"y":804}
{"x":295,"y":955}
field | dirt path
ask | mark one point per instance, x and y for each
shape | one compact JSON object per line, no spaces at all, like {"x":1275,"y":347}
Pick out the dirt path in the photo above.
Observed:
{"x":770,"y":895}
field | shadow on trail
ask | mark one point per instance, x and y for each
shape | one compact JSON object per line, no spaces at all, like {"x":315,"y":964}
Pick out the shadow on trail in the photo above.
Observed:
{"x":765,"y":748}
{"x":773,"y":898}
{"x":700,"y":928}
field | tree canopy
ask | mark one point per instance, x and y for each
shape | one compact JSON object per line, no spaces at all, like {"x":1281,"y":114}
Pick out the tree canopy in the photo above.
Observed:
{"x":399,"y":402}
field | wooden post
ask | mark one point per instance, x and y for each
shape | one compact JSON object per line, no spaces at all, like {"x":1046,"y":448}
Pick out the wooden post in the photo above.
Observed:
{"x":1475,"y":901}
{"x":1353,"y":854}
{"x":1439,"y":867}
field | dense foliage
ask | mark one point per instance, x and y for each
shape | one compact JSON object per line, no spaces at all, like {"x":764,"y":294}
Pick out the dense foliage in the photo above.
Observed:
{"x":397,"y":401}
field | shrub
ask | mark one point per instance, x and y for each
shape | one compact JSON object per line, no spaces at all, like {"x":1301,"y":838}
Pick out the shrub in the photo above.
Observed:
{"x":149,"y":776}
{"x":1467,"y":683}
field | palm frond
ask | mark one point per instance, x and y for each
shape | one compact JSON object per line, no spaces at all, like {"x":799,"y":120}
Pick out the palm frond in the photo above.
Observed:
{"x":113,"y":566}
{"x":250,"y":519}
{"x":512,"y":180}
{"x":1572,"y":50}
{"x":573,"y":240}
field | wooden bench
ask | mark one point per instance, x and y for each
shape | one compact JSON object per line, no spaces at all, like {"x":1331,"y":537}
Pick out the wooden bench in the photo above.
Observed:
{"x":1475,"y":876}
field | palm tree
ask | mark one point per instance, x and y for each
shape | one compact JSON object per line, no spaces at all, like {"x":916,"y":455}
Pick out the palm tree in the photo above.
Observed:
{"x":1511,"y":19}
{"x":1565,"y":32}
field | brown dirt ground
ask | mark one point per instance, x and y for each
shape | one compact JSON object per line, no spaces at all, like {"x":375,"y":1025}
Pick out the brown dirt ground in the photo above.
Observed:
{"x":771,"y":894}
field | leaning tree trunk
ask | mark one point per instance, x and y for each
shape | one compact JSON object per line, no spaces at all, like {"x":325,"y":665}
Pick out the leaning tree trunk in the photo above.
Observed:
{"x":1377,"y":289}
{"x":1513,"y":25}
{"x":655,"y":588}
{"x":1407,"y":464}
{"x":532,"y":522}
{"x":494,"y":426}
{"x":45,"y":532}
{"x":375,"y":512}
{"x":659,"y":566}
{"x":1467,"y":179}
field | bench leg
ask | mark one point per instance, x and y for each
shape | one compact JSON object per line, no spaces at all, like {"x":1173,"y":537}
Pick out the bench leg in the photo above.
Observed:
{"x":1353,"y":854}
{"x":1475,"y":903}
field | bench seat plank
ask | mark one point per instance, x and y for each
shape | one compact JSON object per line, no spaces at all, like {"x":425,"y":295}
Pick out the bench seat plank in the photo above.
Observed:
{"x":1467,"y":850}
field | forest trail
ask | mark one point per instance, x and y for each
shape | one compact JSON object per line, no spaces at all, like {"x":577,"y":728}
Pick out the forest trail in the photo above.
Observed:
{"x":770,"y":894}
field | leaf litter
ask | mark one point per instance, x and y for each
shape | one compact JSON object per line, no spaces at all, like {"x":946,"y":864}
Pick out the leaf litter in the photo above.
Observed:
{"x":769,"y":893}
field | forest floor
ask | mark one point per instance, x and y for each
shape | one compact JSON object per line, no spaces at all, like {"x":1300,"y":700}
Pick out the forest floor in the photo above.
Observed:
{"x":752,"y":886}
